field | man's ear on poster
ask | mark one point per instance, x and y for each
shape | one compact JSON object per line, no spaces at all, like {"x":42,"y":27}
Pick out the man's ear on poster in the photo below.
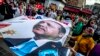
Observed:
{"x":61,"y":34}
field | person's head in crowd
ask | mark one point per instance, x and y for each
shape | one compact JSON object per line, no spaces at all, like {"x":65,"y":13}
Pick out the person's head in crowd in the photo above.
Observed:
{"x":88,"y":31}
{"x":92,"y":22}
{"x":59,"y":12}
{"x":48,"y":30}
{"x":53,"y":7}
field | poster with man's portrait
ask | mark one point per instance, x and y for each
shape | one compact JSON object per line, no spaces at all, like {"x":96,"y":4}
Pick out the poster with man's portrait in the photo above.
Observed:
{"x":26,"y":36}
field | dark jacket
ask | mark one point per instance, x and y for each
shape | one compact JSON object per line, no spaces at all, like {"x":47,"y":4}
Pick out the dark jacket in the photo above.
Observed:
{"x":6,"y":10}
{"x":62,"y":51}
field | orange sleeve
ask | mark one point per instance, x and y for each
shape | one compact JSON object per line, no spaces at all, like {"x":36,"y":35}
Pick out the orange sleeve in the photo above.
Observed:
{"x":76,"y":47}
{"x":76,"y":38}
{"x":91,"y":44}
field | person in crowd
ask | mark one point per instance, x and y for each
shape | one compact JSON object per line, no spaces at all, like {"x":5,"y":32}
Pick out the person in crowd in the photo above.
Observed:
{"x":24,"y":7}
{"x":19,"y":10}
{"x":53,"y":13}
{"x":72,"y":15}
{"x":85,"y":42}
{"x":6,"y":10}
{"x":95,"y":51}
{"x":65,"y":15}
{"x":12,"y":4}
{"x":92,"y":23}
{"x":96,"y":35}
{"x":46,"y":29}
{"x":77,"y":28}
{"x":59,"y":15}
{"x":76,"y":19}
{"x":71,"y":44}
{"x":47,"y":12}
{"x":29,"y":10}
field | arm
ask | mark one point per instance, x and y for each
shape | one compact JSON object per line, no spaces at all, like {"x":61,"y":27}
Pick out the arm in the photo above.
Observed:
{"x":76,"y":38}
{"x":79,"y":54}
{"x":90,"y":45}
{"x":76,"y":53}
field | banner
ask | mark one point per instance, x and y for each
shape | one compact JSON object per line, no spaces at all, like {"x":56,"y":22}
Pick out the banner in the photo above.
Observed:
{"x":26,"y":36}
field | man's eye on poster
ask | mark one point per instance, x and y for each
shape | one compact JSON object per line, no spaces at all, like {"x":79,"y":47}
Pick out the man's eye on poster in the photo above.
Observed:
{"x":34,"y":37}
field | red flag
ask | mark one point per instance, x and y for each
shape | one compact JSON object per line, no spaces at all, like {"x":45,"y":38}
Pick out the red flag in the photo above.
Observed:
{"x":39,"y":6}
{"x":2,"y":25}
{"x":1,"y":1}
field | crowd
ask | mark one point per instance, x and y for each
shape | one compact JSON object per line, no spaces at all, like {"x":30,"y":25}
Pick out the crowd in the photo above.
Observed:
{"x":84,"y":39}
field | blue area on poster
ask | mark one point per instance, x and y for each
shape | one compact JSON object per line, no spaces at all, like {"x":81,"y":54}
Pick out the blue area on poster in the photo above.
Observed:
{"x":38,"y":17}
{"x":24,"y":49}
{"x":48,"y":52}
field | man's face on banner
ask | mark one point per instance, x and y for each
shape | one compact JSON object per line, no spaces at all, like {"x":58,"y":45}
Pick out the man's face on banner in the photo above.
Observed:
{"x":47,"y":28}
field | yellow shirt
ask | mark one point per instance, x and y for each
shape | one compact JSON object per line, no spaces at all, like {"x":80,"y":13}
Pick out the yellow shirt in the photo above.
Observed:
{"x":84,"y":44}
